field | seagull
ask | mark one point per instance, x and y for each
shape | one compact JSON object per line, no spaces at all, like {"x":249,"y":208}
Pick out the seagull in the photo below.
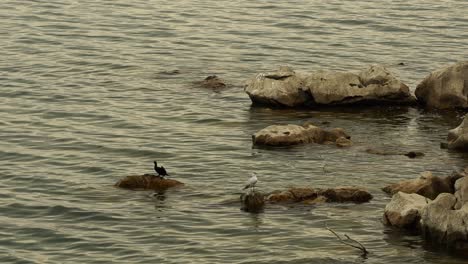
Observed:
{"x":160,"y":170}
{"x":251,"y":182}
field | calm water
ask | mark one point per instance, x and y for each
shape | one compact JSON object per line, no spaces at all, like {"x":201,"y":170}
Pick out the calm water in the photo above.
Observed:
{"x":85,"y":101}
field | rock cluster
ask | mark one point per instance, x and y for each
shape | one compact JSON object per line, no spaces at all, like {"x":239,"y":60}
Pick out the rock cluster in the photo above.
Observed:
{"x":442,"y":219}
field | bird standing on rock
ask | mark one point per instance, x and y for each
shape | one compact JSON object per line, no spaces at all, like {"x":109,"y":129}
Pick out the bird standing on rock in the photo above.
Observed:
{"x":160,"y":170}
{"x":251,"y":182}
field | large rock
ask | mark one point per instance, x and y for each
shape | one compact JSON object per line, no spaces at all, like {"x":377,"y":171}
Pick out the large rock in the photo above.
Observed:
{"x":461,"y":192}
{"x":443,"y":225}
{"x":426,"y":185}
{"x":375,"y":85}
{"x":280,"y":88}
{"x":458,"y":137}
{"x":404,"y":210}
{"x":445,"y":88}
{"x":286,"y":135}
{"x":147,"y":182}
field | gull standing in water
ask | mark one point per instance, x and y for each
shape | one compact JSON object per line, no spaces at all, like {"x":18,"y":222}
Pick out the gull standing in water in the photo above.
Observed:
{"x":251,"y":182}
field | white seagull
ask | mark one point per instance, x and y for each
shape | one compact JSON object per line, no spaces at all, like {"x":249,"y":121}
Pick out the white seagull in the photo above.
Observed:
{"x":251,"y":182}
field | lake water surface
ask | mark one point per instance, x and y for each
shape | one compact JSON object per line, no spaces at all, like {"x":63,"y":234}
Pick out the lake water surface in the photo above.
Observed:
{"x":85,"y":99}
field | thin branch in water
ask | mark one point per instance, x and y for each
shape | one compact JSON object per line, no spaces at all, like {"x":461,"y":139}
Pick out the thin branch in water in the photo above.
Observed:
{"x":350,"y":242}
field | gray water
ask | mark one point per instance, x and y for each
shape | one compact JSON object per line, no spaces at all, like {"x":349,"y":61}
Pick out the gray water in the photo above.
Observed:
{"x":85,"y":99}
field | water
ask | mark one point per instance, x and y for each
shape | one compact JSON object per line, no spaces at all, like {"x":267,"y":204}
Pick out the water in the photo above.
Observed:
{"x":85,"y":101}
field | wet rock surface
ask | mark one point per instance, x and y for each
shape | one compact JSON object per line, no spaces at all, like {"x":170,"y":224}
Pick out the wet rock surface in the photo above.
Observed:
{"x":147,"y":182}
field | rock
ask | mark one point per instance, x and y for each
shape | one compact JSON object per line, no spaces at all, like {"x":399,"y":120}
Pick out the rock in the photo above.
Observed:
{"x":443,"y":225}
{"x":445,"y":88}
{"x":458,"y":137}
{"x":384,"y":152}
{"x":147,"y":182}
{"x":280,"y":197}
{"x":253,"y":202}
{"x":283,"y":135}
{"x":286,"y":135}
{"x":373,"y":85}
{"x":212,"y":82}
{"x":426,"y":185}
{"x":346,"y":194}
{"x":413,"y":154}
{"x":461,"y":192}
{"x":312,"y":196}
{"x":404,"y":210}
{"x":343,"y":142}
{"x":280,"y":88}
{"x":292,"y":195}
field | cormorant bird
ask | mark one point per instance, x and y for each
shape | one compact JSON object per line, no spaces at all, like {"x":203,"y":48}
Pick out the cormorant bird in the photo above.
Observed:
{"x":251,"y":182}
{"x":160,"y":170}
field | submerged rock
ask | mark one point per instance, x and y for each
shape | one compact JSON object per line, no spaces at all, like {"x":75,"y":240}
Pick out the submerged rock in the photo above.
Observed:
{"x":253,"y":202}
{"x":346,"y":194}
{"x":458,"y":137}
{"x":426,"y":185}
{"x":286,"y":135}
{"x":311,"y":196}
{"x":147,"y":182}
{"x":384,"y":152}
{"x":445,"y":88}
{"x":404,"y":210}
{"x":212,"y":82}
{"x":375,"y":85}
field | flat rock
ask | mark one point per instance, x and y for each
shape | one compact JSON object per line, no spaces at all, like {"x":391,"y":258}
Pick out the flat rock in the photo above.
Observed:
{"x":147,"y":182}
{"x":404,"y":210}
{"x":312,"y":196}
{"x":287,"y":135}
{"x":445,"y":88}
{"x":346,"y":194}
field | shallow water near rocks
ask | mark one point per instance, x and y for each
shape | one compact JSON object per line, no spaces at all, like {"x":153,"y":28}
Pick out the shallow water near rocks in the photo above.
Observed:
{"x":94,"y":91}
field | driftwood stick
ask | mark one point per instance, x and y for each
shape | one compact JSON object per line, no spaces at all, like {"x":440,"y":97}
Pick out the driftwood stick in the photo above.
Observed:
{"x":346,"y":242}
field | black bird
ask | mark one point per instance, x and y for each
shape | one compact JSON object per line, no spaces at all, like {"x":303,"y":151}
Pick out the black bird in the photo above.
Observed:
{"x":160,"y":170}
